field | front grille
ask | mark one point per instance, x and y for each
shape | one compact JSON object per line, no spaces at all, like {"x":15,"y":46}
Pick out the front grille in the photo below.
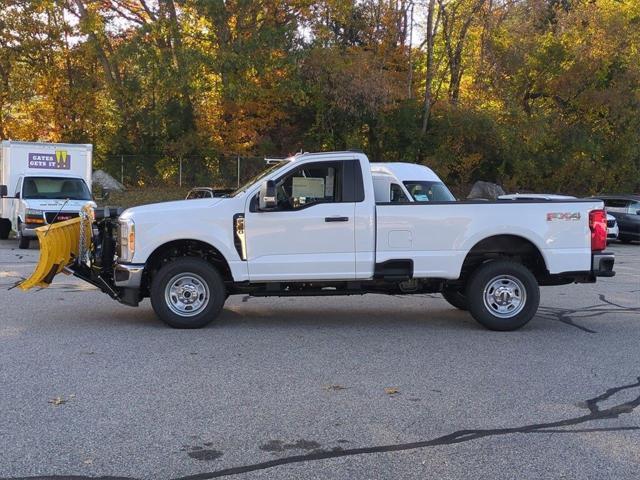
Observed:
{"x":61,"y":217}
{"x":611,"y":223}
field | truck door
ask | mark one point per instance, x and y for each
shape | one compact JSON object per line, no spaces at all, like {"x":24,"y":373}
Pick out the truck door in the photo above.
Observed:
{"x":310,"y":235}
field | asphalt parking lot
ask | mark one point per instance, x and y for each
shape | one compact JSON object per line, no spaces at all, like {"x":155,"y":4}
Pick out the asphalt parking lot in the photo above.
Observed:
{"x":327,"y":388}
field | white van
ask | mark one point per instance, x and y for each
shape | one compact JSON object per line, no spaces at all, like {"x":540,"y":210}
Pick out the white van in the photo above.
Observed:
{"x":407,"y":182}
{"x":45,"y":183}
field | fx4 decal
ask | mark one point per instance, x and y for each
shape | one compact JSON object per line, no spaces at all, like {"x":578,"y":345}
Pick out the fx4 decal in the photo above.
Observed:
{"x":563,"y":216}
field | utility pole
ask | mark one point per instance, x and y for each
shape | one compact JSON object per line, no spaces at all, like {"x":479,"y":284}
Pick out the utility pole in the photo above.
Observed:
{"x":238,"y":174}
{"x":122,"y":169}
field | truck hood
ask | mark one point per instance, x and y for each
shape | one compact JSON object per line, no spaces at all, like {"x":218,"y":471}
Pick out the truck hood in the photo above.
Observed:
{"x":50,"y":205}
{"x":180,"y":207}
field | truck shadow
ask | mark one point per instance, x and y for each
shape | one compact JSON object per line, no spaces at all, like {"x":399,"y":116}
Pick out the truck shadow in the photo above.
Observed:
{"x":287,"y":316}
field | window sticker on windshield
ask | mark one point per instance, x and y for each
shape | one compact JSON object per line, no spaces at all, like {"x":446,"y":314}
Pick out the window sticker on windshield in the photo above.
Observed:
{"x":308,"y":187}
{"x":421,"y":197}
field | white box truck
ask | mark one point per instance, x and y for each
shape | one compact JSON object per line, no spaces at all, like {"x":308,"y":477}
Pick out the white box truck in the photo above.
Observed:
{"x":44,"y":183}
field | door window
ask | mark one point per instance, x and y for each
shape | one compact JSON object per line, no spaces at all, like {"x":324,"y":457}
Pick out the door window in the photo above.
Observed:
{"x":615,"y":205}
{"x":397,"y":195}
{"x":310,"y":184}
{"x":634,"y":207}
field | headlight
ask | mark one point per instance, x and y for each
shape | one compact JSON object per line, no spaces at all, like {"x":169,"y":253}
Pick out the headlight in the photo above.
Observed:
{"x":34,"y":216}
{"x":126,"y":240}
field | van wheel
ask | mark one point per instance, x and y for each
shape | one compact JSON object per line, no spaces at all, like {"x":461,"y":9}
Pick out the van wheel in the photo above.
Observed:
{"x":23,"y":242}
{"x":5,"y":228}
{"x":503,"y":295}
{"x":455,"y":297}
{"x":187,"y":293}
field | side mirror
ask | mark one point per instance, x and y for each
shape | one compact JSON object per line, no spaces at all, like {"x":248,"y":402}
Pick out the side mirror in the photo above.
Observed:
{"x":637,"y":212}
{"x":3,"y":190}
{"x":267,"y":196}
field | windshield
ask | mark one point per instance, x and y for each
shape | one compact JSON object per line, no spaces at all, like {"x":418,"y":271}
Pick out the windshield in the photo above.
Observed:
{"x":55,"y":188}
{"x":258,"y":177}
{"x":429,"y":191}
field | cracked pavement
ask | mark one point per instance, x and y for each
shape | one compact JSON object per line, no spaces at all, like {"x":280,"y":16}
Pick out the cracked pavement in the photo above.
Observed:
{"x":295,"y":387}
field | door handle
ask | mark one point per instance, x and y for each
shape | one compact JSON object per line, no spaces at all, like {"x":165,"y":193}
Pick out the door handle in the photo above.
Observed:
{"x":336,"y":219}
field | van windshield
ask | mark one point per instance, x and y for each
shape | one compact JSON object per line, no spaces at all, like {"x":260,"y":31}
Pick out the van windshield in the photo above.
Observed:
{"x":429,"y":191}
{"x":55,"y":188}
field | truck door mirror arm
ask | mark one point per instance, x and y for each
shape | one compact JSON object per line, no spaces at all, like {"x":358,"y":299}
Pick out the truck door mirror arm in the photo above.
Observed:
{"x":267,"y":197}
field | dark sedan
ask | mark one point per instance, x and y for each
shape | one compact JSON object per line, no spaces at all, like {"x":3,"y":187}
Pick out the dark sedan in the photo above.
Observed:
{"x":626,"y":209}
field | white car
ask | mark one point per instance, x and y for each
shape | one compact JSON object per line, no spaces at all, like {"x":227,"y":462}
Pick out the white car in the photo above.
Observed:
{"x":206,"y":192}
{"x":613,"y":231}
{"x":312,"y":226}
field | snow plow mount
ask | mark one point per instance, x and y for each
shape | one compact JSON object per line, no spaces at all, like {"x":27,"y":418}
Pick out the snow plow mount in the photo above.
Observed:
{"x":84,"y":247}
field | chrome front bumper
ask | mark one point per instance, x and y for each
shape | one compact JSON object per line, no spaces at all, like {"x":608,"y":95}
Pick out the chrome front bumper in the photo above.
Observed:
{"x":30,"y":232}
{"x":128,"y":275}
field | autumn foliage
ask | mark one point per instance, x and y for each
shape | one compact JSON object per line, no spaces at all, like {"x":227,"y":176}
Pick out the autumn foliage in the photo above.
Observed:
{"x":535,"y":94}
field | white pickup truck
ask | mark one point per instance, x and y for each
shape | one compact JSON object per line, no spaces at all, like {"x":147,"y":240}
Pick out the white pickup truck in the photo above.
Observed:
{"x":311,"y":225}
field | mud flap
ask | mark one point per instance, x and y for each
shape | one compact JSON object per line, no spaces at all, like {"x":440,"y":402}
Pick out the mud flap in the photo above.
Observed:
{"x":59,"y":247}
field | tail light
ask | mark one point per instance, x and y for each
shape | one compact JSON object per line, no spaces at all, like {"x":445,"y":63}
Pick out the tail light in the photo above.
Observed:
{"x":598,"y":227}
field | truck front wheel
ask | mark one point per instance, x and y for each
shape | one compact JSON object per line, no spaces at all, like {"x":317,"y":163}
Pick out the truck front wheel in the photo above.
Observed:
{"x":23,"y":242}
{"x":5,"y":228}
{"x":187,"y":293}
{"x":503,"y":295}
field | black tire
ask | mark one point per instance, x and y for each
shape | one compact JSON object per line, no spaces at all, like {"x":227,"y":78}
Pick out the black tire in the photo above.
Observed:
{"x":515,"y":280}
{"x":455,"y":297}
{"x":23,"y":242}
{"x":5,"y":228}
{"x":625,"y":239}
{"x":202,"y":274}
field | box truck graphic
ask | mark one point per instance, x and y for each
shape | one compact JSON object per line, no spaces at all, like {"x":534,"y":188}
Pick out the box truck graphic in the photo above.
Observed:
{"x":61,"y":160}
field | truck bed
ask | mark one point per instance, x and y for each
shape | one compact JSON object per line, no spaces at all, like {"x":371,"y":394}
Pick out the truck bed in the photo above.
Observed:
{"x":438,"y":236}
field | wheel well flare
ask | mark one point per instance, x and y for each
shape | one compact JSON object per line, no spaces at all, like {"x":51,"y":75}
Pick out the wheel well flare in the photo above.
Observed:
{"x":506,"y":246}
{"x":185,"y":248}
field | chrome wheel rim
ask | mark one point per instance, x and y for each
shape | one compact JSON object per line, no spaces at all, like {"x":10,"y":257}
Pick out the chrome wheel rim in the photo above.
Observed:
{"x":505,"y":296}
{"x":187,"y":294}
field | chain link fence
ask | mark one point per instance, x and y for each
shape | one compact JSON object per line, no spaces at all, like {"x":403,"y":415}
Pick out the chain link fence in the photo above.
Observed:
{"x":150,"y":170}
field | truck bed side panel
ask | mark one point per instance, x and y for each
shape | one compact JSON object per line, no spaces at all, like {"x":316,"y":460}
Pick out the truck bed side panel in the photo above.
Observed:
{"x":439,"y":236}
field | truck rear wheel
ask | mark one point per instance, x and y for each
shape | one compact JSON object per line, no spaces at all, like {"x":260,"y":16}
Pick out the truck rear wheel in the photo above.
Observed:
{"x":455,"y":297}
{"x":503,"y":295}
{"x":187,"y":293}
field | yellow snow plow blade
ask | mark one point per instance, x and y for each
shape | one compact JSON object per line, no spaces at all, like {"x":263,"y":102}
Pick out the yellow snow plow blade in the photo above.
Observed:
{"x":59,"y":247}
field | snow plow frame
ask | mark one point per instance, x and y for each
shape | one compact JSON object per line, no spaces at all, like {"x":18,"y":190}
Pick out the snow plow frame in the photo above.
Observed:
{"x":83,"y":247}
{"x":59,"y":248}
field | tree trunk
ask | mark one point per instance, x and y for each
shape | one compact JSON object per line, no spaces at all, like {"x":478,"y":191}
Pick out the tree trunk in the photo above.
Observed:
{"x":432,"y":25}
